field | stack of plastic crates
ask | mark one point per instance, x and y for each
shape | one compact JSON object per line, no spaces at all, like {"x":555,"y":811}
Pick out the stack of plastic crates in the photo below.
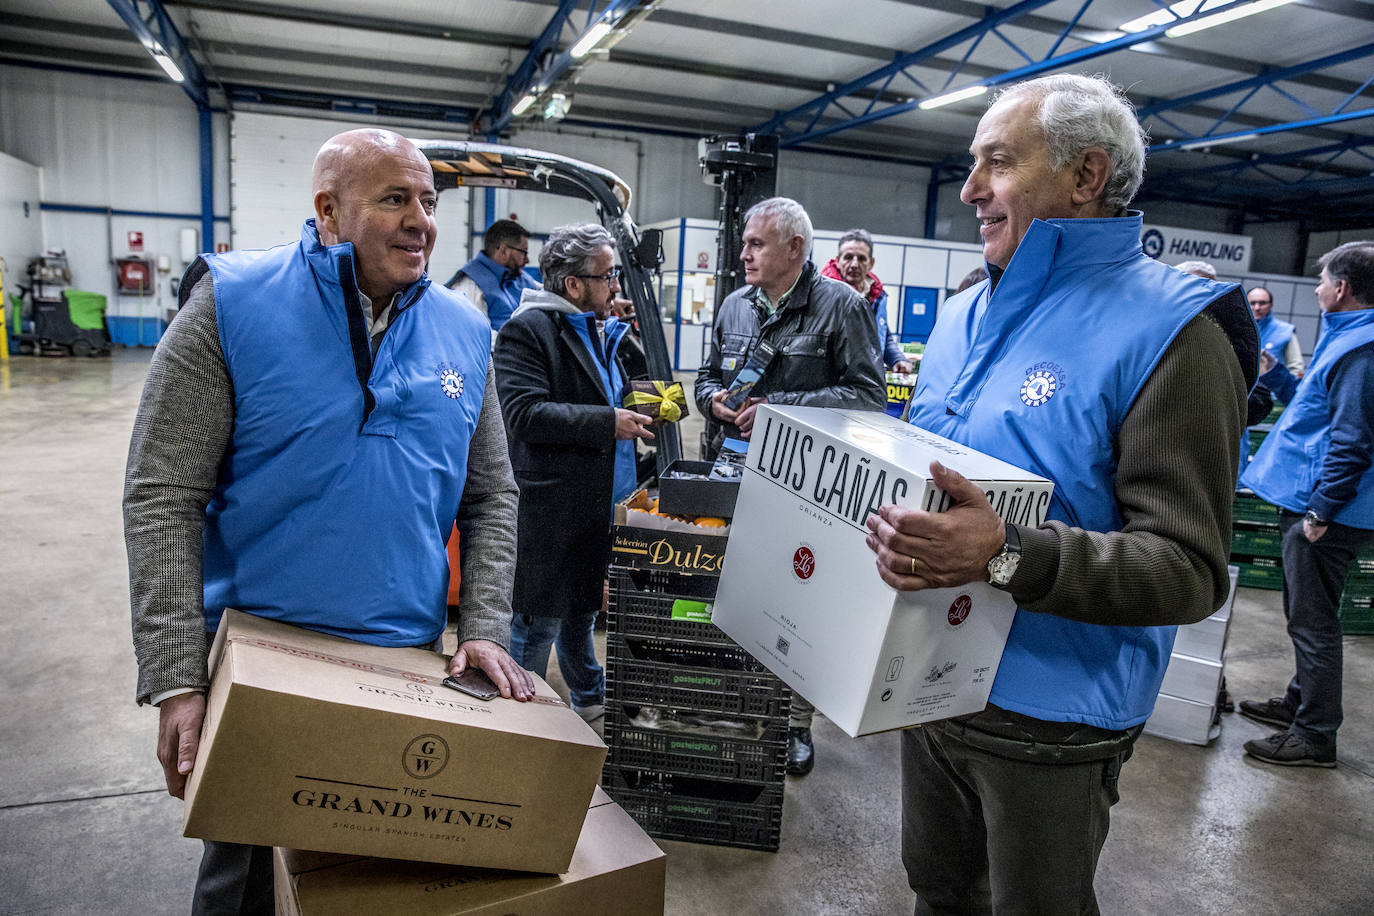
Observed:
{"x":697,"y":728}
{"x":1256,"y":548}
{"x":1357,"y":601}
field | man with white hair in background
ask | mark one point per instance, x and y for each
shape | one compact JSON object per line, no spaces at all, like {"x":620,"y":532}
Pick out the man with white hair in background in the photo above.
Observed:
{"x":1123,"y":381}
{"x":827,"y":356}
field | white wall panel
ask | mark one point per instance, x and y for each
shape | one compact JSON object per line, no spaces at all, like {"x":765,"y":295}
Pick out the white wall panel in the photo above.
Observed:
{"x":272,"y":157}
{"x":21,"y":229}
{"x":111,"y":143}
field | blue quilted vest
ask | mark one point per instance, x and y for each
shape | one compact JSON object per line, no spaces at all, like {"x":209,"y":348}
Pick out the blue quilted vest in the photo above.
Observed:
{"x":1287,"y":467}
{"x":1041,"y":374}
{"x":342,"y":480}
{"x":502,"y":295}
{"x":1274,"y":335}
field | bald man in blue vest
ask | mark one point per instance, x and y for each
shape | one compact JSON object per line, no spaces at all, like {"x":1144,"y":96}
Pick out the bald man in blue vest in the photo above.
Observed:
{"x":313,"y":423}
{"x":1124,"y":382}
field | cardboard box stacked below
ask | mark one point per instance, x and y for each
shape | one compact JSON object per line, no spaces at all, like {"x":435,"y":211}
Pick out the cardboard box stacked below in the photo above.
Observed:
{"x":615,"y":869}
{"x":799,"y":587}
{"x":314,"y":742}
{"x":1186,"y":708}
{"x":697,"y":728}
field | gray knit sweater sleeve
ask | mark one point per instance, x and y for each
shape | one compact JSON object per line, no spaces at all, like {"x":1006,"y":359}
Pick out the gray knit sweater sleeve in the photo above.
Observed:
{"x":182,"y":428}
{"x":1178,"y":450}
{"x":486,"y":529}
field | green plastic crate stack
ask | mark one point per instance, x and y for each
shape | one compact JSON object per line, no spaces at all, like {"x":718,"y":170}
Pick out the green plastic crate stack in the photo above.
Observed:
{"x":1256,"y":547}
{"x":1357,"y":601}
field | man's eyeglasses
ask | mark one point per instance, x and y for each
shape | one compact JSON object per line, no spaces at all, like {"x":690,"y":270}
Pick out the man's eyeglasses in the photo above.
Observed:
{"x":611,"y":275}
{"x":525,"y":251}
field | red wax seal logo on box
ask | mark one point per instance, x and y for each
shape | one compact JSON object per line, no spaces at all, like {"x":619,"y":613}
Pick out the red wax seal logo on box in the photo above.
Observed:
{"x":803,"y":563}
{"x":959,"y":610}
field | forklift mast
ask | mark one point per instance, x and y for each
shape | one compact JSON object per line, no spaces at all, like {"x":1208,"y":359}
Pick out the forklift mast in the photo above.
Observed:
{"x":745,"y":168}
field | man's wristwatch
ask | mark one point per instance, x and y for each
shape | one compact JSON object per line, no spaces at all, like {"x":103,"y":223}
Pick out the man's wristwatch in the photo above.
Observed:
{"x":1314,"y":518}
{"x":1003,"y":565}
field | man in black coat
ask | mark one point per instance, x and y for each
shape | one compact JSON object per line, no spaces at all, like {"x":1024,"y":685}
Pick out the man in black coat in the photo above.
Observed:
{"x":572,"y":449}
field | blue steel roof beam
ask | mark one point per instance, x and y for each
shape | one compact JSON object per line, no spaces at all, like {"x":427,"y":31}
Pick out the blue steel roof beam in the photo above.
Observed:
{"x":1070,"y":26}
{"x":168,"y":39}
{"x":616,"y":12}
{"x":1014,"y":46}
{"x":1350,"y":98}
{"x":1264,"y":79}
{"x":1336,"y":150}
{"x":1226,"y":115}
{"x":959,"y":67}
{"x":1010,"y":76}
{"x":1262,"y":131}
{"x":901,"y":62}
{"x":1311,"y":112}
{"x":523,"y":75}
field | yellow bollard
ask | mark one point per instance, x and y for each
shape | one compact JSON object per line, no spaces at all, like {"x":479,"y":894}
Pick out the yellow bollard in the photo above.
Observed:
{"x":4,"y":326}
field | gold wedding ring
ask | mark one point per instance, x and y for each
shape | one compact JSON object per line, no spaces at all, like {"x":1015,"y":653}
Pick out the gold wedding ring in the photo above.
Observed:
{"x":913,"y":566}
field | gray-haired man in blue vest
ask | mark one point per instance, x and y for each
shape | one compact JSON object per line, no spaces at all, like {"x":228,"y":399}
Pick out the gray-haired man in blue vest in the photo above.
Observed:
{"x":1124,"y":382}
{"x":1315,"y":465}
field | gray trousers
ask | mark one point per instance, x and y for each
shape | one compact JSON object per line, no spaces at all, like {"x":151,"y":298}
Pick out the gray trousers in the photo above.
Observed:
{"x":234,"y":880}
{"x":984,"y":834}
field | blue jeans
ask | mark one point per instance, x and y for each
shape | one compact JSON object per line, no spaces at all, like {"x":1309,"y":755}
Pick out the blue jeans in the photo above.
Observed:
{"x":531,"y":637}
{"x":1313,"y":577}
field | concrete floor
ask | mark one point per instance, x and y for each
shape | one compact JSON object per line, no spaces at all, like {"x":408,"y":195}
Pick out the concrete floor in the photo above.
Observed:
{"x":85,"y":826}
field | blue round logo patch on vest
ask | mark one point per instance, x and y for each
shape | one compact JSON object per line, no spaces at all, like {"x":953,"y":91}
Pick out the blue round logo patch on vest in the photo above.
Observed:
{"x":1040,"y":385}
{"x":451,"y":381}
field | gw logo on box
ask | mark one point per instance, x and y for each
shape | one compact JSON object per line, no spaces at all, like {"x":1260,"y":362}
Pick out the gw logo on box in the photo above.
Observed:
{"x":425,"y":757}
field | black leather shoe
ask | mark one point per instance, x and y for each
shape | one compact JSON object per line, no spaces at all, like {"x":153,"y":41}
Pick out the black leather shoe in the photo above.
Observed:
{"x":801,"y":754}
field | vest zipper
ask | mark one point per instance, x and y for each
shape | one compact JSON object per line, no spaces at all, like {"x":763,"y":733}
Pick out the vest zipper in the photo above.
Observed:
{"x":357,"y":334}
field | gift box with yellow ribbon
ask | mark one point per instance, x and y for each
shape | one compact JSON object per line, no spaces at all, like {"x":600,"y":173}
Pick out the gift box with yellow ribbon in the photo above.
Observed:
{"x":665,"y":402}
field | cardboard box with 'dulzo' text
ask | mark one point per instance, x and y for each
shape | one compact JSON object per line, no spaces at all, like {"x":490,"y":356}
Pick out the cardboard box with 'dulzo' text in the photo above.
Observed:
{"x":799,"y":588}
{"x":315,"y":742}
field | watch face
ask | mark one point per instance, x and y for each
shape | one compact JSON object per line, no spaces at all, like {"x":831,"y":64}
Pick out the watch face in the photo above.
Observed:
{"x":1002,"y":567}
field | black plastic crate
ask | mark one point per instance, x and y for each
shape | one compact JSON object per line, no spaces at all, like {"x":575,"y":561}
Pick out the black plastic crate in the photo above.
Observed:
{"x":721,"y":657}
{"x":674,"y":807}
{"x":652,"y":683}
{"x":1259,"y":572}
{"x":686,"y":742}
{"x":696,"y":493}
{"x":664,"y":606}
{"x":1250,"y":508}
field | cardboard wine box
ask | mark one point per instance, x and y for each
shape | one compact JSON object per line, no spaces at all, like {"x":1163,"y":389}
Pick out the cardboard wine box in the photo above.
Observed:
{"x":615,"y":869}
{"x":315,"y":742}
{"x":799,"y":588}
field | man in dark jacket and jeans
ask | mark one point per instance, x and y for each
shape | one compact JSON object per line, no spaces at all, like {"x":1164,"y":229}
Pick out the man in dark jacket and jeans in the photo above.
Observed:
{"x":572,"y":449}
{"x":827,"y":356}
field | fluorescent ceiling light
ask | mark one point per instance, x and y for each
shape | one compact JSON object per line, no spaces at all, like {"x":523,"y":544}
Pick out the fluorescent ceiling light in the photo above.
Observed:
{"x":950,"y":98}
{"x":590,"y":40}
{"x":523,"y":105}
{"x":1219,"y":141}
{"x":1176,"y":11}
{"x":1231,"y":15}
{"x":168,"y":65}
{"x":1186,"y":8}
